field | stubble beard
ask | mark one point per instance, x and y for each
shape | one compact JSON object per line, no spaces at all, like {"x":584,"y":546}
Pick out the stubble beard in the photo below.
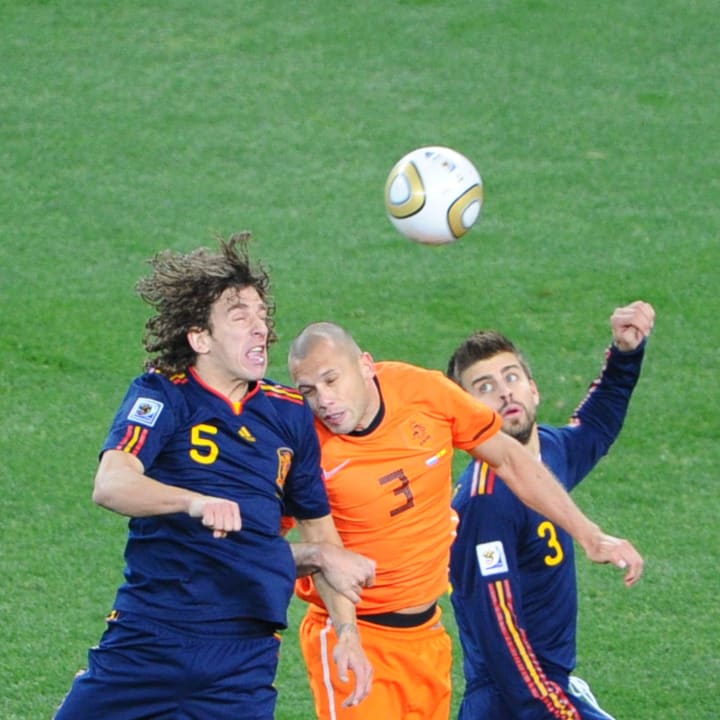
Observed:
{"x":522,"y":431}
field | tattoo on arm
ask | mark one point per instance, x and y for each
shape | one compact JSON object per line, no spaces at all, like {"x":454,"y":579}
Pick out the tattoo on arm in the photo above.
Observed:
{"x":346,"y":627}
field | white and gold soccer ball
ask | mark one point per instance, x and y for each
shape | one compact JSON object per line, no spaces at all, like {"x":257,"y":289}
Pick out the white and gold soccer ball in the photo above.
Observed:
{"x":433,"y":195}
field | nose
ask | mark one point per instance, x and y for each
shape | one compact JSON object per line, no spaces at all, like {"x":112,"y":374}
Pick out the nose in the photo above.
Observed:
{"x":324,"y":397}
{"x":504,"y":390}
{"x":260,"y":326}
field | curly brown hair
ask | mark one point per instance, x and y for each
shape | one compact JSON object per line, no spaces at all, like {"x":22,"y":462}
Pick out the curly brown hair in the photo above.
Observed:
{"x":182,"y":289}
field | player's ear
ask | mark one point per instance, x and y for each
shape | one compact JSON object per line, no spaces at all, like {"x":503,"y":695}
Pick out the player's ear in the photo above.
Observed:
{"x":535,"y":392}
{"x":367,"y":365}
{"x":198,"y":340}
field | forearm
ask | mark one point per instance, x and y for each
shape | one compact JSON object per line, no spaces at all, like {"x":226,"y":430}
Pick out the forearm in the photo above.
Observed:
{"x":311,"y":558}
{"x":538,"y":488}
{"x":122,"y":486}
{"x":606,"y":402}
{"x":333,"y":567}
{"x":339,"y":607}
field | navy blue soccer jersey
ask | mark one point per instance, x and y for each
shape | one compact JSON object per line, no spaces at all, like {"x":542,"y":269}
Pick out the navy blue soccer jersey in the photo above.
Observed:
{"x":512,"y":570}
{"x":261,"y":452}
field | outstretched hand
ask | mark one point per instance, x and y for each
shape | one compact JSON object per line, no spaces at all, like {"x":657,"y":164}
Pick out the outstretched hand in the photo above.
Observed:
{"x":632,"y":324}
{"x":621,"y":553}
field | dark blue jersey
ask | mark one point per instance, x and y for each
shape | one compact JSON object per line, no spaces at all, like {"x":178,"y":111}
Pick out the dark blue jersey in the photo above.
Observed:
{"x":512,"y":570}
{"x":262,"y":452}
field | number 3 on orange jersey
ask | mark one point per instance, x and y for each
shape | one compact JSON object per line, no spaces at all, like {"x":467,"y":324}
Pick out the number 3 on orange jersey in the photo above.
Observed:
{"x":402,"y":489}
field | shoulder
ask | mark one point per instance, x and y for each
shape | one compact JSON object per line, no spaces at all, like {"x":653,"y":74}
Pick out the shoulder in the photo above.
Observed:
{"x":396,"y":369}
{"x":158,"y":385}
{"x":411,"y":381}
{"x":556,"y":442}
{"x":280,"y":394}
{"x":284,"y":404}
{"x":480,"y":481}
{"x":152,"y":399}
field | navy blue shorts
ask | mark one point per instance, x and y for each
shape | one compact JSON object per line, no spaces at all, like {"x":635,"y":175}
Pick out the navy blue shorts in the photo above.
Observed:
{"x":143,"y":669}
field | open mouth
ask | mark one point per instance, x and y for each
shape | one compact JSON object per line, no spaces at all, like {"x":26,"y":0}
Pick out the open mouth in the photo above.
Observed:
{"x":257,"y":355}
{"x":512,"y":411}
{"x":334,"y":419}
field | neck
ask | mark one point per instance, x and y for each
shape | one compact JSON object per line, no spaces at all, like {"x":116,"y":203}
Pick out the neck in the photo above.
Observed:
{"x":373,"y":408}
{"x":533,"y":443}
{"x":234,"y":389}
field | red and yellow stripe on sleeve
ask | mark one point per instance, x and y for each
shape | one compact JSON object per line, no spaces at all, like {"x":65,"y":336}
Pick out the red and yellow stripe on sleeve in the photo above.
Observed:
{"x":483,"y":479}
{"x":283,"y":393}
{"x":133,"y":440}
{"x":550,"y":693}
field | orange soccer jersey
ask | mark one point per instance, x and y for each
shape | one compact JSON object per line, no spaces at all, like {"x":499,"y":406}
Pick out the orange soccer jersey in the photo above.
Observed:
{"x":390,"y":488}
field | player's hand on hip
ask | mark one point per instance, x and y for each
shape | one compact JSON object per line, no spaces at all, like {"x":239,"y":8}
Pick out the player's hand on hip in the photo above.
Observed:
{"x":618,"y":552}
{"x":350,"y":656}
{"x":218,"y":514}
{"x":632,"y":324}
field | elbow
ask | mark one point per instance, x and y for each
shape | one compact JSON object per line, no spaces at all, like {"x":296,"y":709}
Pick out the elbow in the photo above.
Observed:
{"x":102,"y":494}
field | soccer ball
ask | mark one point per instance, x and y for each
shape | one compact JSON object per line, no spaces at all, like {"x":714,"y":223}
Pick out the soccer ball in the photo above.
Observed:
{"x":433,"y":195}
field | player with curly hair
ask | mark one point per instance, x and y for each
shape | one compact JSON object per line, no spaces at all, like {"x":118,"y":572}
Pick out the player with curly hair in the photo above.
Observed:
{"x":205,"y":456}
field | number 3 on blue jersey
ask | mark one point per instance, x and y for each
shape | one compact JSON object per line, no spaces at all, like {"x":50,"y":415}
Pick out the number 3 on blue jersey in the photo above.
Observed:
{"x":547,"y":529}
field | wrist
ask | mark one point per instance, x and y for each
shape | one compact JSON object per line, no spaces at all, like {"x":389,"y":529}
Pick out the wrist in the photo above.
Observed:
{"x":588,"y":537}
{"x":346,"y":629}
{"x":628,"y":348}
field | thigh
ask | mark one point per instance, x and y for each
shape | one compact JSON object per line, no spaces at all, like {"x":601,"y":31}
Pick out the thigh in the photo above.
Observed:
{"x":411,"y":666}
{"x":232,"y":678}
{"x":484,"y":704}
{"x":127,"y":677}
{"x":424,"y":671}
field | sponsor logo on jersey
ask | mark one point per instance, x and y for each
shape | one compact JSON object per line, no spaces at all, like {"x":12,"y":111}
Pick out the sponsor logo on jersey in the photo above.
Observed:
{"x":491,"y":558}
{"x":245,"y":434}
{"x":327,"y":475}
{"x":145,"y":411}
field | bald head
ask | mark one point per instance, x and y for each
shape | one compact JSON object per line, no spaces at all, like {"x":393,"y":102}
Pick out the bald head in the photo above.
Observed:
{"x":335,"y":377}
{"x":314,"y":334}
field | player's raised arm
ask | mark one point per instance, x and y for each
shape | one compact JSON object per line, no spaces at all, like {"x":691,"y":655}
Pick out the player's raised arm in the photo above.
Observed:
{"x":631,"y":324}
{"x":535,"y":485}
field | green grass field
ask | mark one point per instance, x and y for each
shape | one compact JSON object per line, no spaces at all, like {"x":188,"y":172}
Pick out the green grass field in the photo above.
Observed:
{"x":127,"y":128}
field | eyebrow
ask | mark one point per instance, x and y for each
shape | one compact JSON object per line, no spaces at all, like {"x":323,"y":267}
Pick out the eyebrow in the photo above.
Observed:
{"x":245,"y":304}
{"x":323,"y":377}
{"x":488,"y":376}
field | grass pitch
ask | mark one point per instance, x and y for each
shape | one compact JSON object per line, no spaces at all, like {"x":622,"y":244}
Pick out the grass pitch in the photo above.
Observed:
{"x":128,"y":128}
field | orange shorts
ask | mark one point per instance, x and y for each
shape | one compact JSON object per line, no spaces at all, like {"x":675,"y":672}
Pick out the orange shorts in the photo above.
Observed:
{"x":412,"y":666}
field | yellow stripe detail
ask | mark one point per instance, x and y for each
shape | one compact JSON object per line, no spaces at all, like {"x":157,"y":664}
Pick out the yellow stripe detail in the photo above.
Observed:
{"x":133,"y":440}
{"x":482,"y":485}
{"x":519,"y":645}
{"x":279,"y":390}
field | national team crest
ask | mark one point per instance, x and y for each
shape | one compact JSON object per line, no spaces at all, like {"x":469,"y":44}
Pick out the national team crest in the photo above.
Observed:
{"x":418,"y":432}
{"x":491,"y":558}
{"x":285,"y":456}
